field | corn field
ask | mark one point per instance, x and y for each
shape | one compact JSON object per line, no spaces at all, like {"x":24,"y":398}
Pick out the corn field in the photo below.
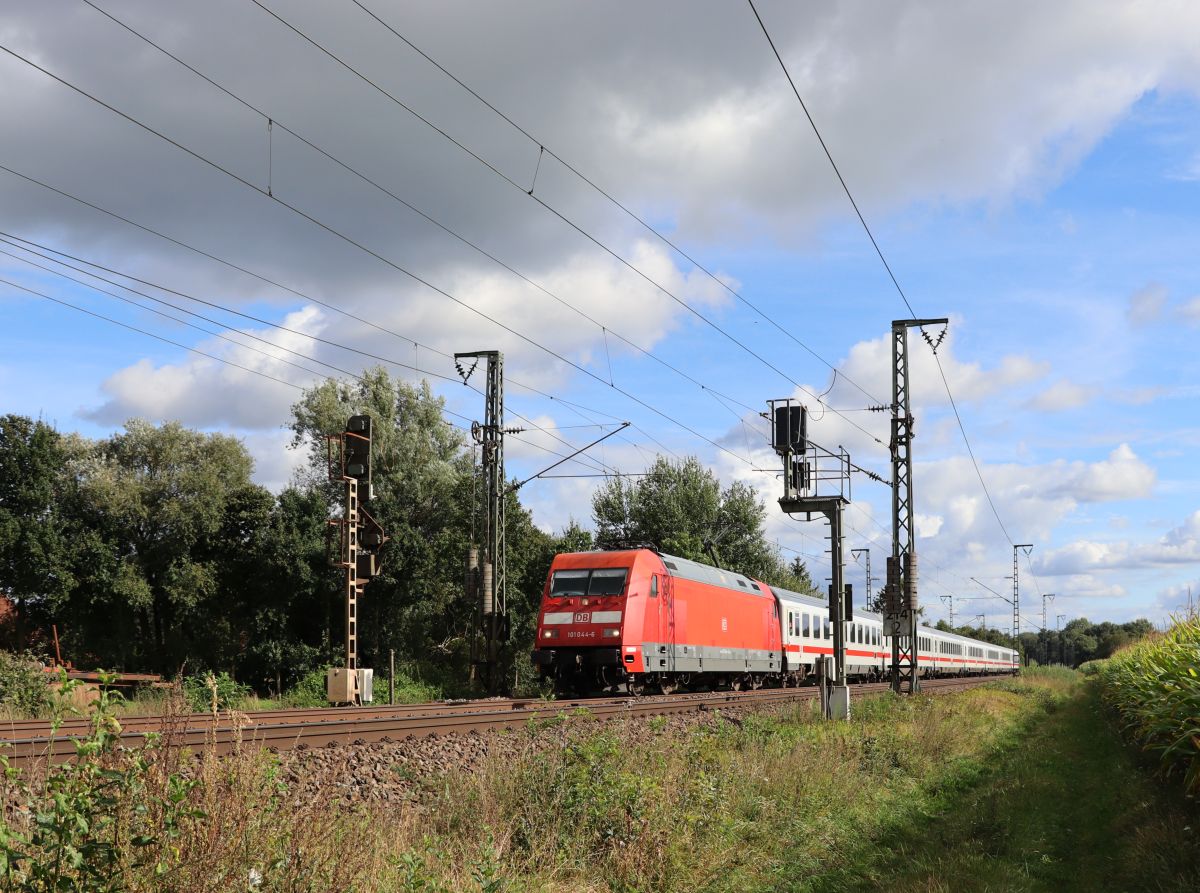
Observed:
{"x":1155,"y":687}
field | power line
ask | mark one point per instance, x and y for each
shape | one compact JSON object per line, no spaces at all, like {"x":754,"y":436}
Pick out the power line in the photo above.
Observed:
{"x":239,"y":366}
{"x":891,"y":275}
{"x":275,"y":122}
{"x":151,"y":334}
{"x":331,"y":230}
{"x":612,"y":199}
{"x":572,"y":224}
{"x":9,"y":240}
{"x":320,"y":224}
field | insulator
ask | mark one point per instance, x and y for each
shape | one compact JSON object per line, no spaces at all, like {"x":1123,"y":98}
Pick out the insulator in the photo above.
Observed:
{"x":486,"y":589}
{"x":471,"y":579}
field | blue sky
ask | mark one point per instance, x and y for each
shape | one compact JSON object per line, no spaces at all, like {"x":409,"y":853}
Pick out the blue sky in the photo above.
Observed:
{"x":1042,"y":196}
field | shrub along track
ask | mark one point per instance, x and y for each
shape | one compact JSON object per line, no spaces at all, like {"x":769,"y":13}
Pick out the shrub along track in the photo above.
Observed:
{"x":34,"y":740}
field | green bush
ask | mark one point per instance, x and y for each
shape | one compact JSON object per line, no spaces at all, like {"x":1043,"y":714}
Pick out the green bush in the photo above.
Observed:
{"x":200,"y":691}
{"x":309,"y":691}
{"x":22,"y":683}
{"x":1154,"y":685}
{"x":89,"y":817}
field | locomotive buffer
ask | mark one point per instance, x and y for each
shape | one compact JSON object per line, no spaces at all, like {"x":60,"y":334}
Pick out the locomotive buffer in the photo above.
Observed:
{"x":809,"y":469}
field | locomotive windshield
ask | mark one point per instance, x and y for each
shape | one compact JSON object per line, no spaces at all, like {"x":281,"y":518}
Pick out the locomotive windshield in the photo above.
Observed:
{"x":601,"y":581}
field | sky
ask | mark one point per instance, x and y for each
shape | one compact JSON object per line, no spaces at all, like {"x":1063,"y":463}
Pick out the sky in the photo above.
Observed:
{"x":333,"y":170}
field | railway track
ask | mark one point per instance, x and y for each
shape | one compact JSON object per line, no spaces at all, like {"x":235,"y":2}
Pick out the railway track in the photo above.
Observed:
{"x":29,"y":740}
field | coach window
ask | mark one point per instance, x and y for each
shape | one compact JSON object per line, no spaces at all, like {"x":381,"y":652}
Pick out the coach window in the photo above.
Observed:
{"x":805,"y":629}
{"x":828,"y":628}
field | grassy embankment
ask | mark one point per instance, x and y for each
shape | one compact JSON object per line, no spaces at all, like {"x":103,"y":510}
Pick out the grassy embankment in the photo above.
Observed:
{"x":1017,"y":786}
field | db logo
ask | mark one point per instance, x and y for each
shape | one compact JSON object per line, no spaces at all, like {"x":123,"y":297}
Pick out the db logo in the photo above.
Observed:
{"x":583,"y":617}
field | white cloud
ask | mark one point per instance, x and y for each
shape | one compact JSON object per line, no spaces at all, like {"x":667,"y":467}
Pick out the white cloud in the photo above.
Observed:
{"x":1190,"y":310}
{"x":1061,"y":396}
{"x":203,"y":392}
{"x":1147,"y":303}
{"x":1121,"y":476}
{"x":1180,"y":545}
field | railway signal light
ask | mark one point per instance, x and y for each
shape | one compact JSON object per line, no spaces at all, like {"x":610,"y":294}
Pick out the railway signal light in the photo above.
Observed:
{"x":357,"y":456}
{"x":847,"y":601}
{"x":791,"y":429}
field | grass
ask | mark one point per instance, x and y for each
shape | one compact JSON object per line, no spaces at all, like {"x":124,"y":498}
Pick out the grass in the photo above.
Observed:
{"x":1016,"y":786}
{"x":1065,"y":806}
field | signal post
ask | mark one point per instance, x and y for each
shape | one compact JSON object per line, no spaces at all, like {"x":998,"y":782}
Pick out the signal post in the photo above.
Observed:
{"x":817,"y":481}
{"x":360,"y":540}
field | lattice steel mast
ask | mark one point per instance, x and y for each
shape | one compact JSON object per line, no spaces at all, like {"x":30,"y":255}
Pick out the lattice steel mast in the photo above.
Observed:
{"x":492,"y":577}
{"x":900,"y":607}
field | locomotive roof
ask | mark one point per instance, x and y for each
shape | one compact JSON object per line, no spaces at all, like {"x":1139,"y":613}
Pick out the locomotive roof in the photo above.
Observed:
{"x":714,"y":576}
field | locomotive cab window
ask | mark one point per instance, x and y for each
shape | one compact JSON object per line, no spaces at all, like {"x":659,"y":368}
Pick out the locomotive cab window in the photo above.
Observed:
{"x":601,"y":581}
{"x":654,"y":585}
{"x":608,"y":581}
{"x":569,"y":583}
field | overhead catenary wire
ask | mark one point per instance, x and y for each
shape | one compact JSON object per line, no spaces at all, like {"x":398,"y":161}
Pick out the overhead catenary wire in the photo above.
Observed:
{"x":552,"y":210}
{"x":258,"y":372}
{"x":6,"y":238}
{"x":573,"y":406}
{"x":891,"y":275}
{"x":605,"y":330}
{"x":415,"y":277}
{"x":542,"y":149}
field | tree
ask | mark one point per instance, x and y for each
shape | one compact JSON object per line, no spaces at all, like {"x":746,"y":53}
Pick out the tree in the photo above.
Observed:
{"x":34,"y":564}
{"x":290,"y":595}
{"x":679,"y":508}
{"x":426,"y":499}
{"x":802,"y":580}
{"x":165,"y":518}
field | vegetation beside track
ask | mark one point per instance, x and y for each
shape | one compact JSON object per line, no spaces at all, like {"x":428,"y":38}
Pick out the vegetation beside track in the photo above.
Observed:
{"x":1019,"y":785}
{"x":1154,"y":685}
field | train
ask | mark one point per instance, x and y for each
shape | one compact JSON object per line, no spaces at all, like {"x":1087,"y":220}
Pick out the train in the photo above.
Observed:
{"x":640,"y":621}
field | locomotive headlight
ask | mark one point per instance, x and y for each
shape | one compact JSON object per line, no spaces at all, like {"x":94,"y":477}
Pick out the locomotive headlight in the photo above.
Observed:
{"x":547,"y":634}
{"x":611,"y":633}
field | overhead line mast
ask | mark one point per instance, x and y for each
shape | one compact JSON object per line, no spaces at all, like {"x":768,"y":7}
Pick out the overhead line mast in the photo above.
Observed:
{"x":900,"y":603}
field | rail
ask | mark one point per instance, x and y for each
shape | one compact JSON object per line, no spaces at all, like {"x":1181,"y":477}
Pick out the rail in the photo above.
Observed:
{"x":32,"y":740}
